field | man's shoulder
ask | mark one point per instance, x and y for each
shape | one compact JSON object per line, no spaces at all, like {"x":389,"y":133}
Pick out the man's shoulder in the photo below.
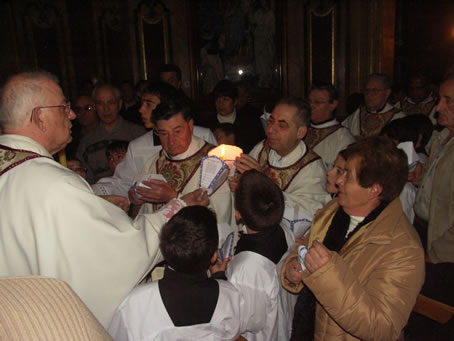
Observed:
{"x":125,"y":124}
{"x":145,"y":139}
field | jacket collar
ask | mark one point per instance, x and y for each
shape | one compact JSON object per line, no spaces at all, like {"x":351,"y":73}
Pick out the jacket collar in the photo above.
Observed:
{"x":372,"y":233}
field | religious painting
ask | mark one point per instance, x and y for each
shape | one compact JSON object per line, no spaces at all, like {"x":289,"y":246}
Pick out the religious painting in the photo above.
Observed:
{"x":238,"y":40}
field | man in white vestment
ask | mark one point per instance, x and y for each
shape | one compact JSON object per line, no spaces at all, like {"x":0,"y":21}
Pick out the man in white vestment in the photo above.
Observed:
{"x":284,"y":157}
{"x":144,"y":147}
{"x":370,"y":118}
{"x":52,"y":224}
{"x":326,"y":136}
{"x":419,"y":99}
{"x":178,"y":162}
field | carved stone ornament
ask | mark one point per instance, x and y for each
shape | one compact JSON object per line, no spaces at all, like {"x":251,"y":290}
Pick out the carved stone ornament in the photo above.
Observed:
{"x":42,"y":15}
{"x":152,"y":11}
{"x":321,"y":8}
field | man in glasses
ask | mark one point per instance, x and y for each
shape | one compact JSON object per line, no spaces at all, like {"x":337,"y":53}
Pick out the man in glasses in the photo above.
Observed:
{"x":86,"y":121}
{"x":92,"y":148}
{"x":52,"y":224}
{"x":84,"y":108}
{"x":370,"y":118}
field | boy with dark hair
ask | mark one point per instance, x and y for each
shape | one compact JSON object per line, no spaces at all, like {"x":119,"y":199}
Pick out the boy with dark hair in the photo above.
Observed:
{"x":224,"y":134}
{"x":185,"y":304}
{"x":115,"y":153}
{"x":259,"y":203}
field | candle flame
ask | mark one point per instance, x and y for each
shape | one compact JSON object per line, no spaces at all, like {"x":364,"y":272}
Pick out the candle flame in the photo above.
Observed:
{"x":222,"y":151}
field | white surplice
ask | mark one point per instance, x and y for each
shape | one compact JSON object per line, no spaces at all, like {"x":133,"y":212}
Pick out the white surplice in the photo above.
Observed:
{"x":139,"y":152}
{"x":52,"y":224}
{"x":143,"y":316}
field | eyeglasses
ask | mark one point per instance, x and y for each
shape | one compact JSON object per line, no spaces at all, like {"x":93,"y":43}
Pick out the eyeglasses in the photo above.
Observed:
{"x":66,"y":109}
{"x":372,"y":91}
{"x":88,"y":107}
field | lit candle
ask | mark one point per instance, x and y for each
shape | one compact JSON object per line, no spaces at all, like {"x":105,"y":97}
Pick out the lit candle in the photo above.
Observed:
{"x":62,"y":158}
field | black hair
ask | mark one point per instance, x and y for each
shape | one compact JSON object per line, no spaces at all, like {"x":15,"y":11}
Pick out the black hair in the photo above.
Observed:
{"x":173,"y":106}
{"x":189,"y":240}
{"x":332,"y":91}
{"x":303,"y":109}
{"x":400,"y":130}
{"x":162,"y":90}
{"x":259,"y":201}
{"x":225,"y":88}
{"x":116,"y":146}
{"x":227,"y":128}
{"x":171,"y":68}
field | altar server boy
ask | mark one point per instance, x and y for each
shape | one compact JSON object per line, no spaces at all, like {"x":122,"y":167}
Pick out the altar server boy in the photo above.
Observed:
{"x":259,"y":204}
{"x":186,"y":304}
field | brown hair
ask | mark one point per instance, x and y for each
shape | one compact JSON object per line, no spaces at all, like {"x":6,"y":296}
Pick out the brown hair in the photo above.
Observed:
{"x":380,"y":163}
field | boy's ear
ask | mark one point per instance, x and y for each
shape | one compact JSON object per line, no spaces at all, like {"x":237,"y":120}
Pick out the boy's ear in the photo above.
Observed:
{"x":237,"y":215}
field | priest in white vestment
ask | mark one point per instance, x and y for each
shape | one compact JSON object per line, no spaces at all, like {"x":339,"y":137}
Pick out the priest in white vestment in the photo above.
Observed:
{"x":178,"y":162}
{"x":283,"y":156}
{"x":370,"y":118}
{"x":52,"y":224}
{"x":325,"y":135}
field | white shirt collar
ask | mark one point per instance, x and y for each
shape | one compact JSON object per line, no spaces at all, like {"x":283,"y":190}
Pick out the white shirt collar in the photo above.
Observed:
{"x":284,"y":161}
{"x":325,"y":124}
{"x":194,"y":146}
{"x":24,"y":143}
{"x":427,"y":100}
{"x":230,"y":118}
{"x":386,"y":108}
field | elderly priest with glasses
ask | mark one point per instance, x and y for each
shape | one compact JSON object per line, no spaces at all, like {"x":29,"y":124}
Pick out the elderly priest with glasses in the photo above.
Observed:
{"x":52,"y":224}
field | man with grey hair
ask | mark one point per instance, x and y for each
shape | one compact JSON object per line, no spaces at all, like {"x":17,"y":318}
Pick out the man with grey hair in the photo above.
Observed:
{"x":370,"y":118}
{"x":92,"y":148}
{"x":52,"y":224}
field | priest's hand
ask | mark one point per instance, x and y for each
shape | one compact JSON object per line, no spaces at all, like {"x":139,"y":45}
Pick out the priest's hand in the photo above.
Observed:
{"x":246,"y":162}
{"x":293,"y":271}
{"x":317,"y":256}
{"x":158,"y":192}
{"x":134,"y":199}
{"x":197,"y":197}
{"x":117,"y":200}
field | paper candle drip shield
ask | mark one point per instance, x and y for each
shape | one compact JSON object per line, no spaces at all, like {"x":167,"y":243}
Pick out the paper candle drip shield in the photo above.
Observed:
{"x":227,"y":154}
{"x":213,"y":173}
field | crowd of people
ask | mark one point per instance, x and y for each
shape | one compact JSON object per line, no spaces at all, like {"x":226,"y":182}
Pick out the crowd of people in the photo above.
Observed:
{"x":337,"y":226}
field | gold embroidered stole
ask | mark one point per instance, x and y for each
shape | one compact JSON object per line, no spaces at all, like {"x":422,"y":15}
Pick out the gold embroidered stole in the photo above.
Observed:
{"x":316,"y":135}
{"x":179,"y":172}
{"x":10,"y":158}
{"x":371,"y":124}
{"x":284,"y":176}
{"x":414,"y":109}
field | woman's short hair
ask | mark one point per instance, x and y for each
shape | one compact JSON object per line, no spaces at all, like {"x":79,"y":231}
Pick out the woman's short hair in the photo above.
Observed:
{"x":380,"y":162}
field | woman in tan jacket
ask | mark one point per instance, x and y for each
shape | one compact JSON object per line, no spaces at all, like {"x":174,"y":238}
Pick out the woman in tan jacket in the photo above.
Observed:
{"x":365,"y":264}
